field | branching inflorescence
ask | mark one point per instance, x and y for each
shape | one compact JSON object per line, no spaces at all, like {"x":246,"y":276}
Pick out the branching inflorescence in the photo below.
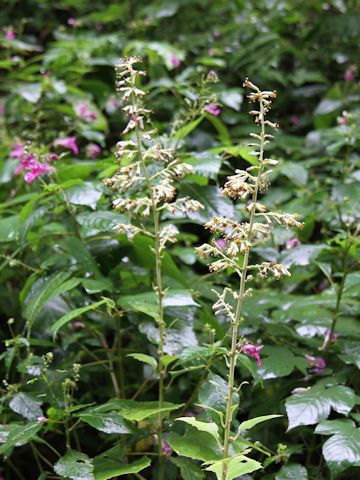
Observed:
{"x":237,"y":241}
{"x":145,"y":182}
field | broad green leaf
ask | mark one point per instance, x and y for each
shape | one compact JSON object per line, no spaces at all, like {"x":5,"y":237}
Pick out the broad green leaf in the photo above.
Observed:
{"x":107,"y":422}
{"x":314,"y":405}
{"x":350,"y":352}
{"x":208,"y":427}
{"x":255,"y":421}
{"x":232,"y":98}
{"x":279,"y":362}
{"x":136,"y":411}
{"x":16,"y":435}
{"x":9,"y":228}
{"x":206,"y":164}
{"x":183,"y":132}
{"x":26,"y":405}
{"x":102,"y":221}
{"x":108,"y":466}
{"x":301,"y":255}
{"x":44,"y":289}
{"x":84,"y":194}
{"x":239,"y":465}
{"x":213,"y":392}
{"x":74,"y":314}
{"x":342,"y":450}
{"x":147,"y":302}
{"x":141,"y":357}
{"x":295,"y":172}
{"x":188,"y":469}
{"x":30,"y":92}
{"x":195,"y":444}
{"x":292,"y":471}
{"x":75,"y":466}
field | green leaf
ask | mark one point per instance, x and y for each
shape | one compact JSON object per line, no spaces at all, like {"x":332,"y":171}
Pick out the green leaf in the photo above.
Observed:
{"x":147,"y":302}
{"x":239,"y":465}
{"x":213,"y":392}
{"x":292,"y":471}
{"x":314,"y":405}
{"x":188,"y":469}
{"x":18,"y":434}
{"x":279,"y":362}
{"x":84,"y":194}
{"x":183,"y":132}
{"x":109,"y":422}
{"x":206,"y":164}
{"x":301,"y":255}
{"x":75,"y":466}
{"x":30,"y":92}
{"x":196,"y":445}
{"x":44,"y":289}
{"x":77,"y":250}
{"x":232,"y":98}
{"x":254,"y":421}
{"x":26,"y":405}
{"x":141,"y":357}
{"x":101,"y":221}
{"x":9,"y":228}
{"x":138,"y":411}
{"x":108,"y":466}
{"x":209,"y":427}
{"x":295,"y":172}
{"x":215,"y":204}
{"x":74,"y":314}
{"x":342,"y":450}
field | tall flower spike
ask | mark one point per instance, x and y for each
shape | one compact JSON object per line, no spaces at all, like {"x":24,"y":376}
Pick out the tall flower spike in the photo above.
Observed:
{"x":146,"y":182}
{"x":238,"y":239}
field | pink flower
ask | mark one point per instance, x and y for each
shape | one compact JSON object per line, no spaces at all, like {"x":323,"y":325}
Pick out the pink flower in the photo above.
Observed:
{"x":52,"y":157}
{"x":221,"y":243}
{"x":27,"y":160}
{"x":166,"y":449}
{"x":344,"y":119}
{"x":112,"y":104}
{"x":17,"y":151}
{"x":35,"y":170}
{"x":10,"y":34}
{"x":92,"y":150}
{"x":212,"y":76}
{"x":175,"y":60}
{"x":211,"y":52}
{"x":216,"y":34}
{"x":329,"y":334}
{"x":294,"y":120}
{"x":317,"y":364}
{"x":253,"y":351}
{"x":292,"y":243}
{"x":42,"y":419}
{"x":350,"y":73}
{"x":72,"y":22}
{"x":67,"y":142}
{"x":83,"y":111}
{"x":212,"y":109}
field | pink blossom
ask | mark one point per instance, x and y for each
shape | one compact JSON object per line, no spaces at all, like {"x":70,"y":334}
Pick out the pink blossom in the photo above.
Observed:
{"x":317,"y":364}
{"x":52,"y":157}
{"x":83,"y":111}
{"x":27,"y":160}
{"x":253,"y":351}
{"x":331,"y":335}
{"x":221,"y":243}
{"x":212,"y":109}
{"x":216,"y":34}
{"x":92,"y":150}
{"x":67,"y":142}
{"x":10,"y":34}
{"x":35,"y":170}
{"x":175,"y":60}
{"x":166,"y":449}
{"x":17,"y":151}
{"x":292,"y":243}
{"x":344,"y":119}
{"x":294,"y":120}
{"x":350,"y":73}
{"x":42,"y":419}
{"x":112,"y":104}
{"x":211,"y":52}
{"x":72,"y":22}
{"x":212,"y":76}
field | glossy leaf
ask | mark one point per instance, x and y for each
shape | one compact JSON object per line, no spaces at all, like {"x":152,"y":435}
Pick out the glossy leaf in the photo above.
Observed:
{"x":239,"y":465}
{"x":26,"y":405}
{"x":141,"y":357}
{"x":109,"y":422}
{"x":208,"y":427}
{"x":292,"y":471}
{"x":75,"y":466}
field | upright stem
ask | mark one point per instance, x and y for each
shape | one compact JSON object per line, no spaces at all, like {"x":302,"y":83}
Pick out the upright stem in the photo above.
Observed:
{"x":233,"y":354}
{"x":160,"y":294}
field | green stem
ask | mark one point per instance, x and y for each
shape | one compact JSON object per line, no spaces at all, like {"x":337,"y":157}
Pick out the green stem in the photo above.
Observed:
{"x":160,"y":294}
{"x":233,"y":354}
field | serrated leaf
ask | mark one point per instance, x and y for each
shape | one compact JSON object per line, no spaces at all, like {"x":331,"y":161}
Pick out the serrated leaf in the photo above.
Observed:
{"x":255,"y":421}
{"x":74,"y":314}
{"x":141,"y":357}
{"x":84,"y":194}
{"x":16,"y":435}
{"x":314,"y":405}
{"x":107,"y":422}
{"x":195,"y":444}
{"x":208,"y":427}
{"x":75,"y":466}
{"x":26,"y":405}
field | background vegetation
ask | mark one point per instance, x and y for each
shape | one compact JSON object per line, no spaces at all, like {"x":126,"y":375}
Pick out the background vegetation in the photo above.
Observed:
{"x":73,"y":383}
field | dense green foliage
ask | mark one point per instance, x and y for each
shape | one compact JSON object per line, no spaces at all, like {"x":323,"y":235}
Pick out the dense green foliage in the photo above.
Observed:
{"x":79,"y":316}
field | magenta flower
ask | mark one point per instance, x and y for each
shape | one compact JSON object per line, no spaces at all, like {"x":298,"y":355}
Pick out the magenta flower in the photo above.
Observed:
{"x":17,"y":151}
{"x":42,"y":419}
{"x":344,"y":119}
{"x":92,"y":150}
{"x":67,"y":142}
{"x":329,"y":334}
{"x":212,"y":109}
{"x":221,"y":243}
{"x":350,"y":73}
{"x":253,"y":351}
{"x":292,"y":243}
{"x":212,"y":76}
{"x":83,"y":111}
{"x":10,"y":34}
{"x":317,"y":364}
{"x":294,"y":120}
{"x":52,"y":157}
{"x":175,"y":60}
{"x":36,"y":169}
{"x":166,"y":449}
{"x":27,"y":160}
{"x":72,"y":22}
